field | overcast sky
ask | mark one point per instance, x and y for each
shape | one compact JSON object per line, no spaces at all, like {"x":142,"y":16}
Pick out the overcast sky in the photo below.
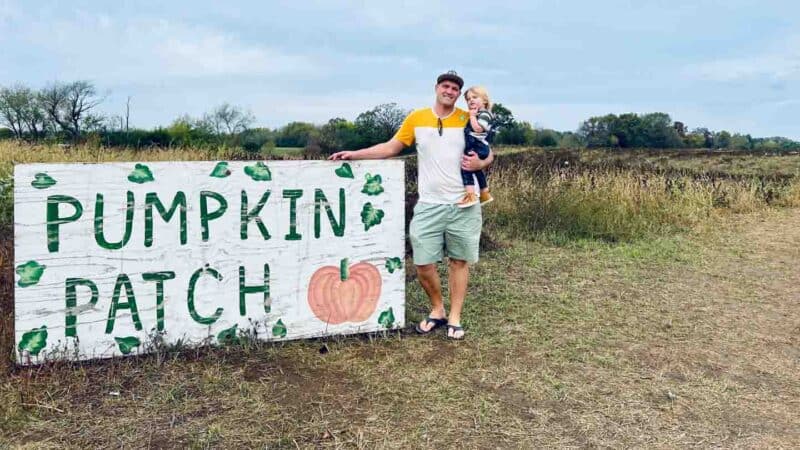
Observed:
{"x":728,"y":64}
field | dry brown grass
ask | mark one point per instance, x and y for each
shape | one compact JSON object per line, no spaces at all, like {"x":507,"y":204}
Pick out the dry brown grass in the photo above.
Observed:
{"x":6,"y":300}
{"x":670,"y":343}
{"x":676,"y":340}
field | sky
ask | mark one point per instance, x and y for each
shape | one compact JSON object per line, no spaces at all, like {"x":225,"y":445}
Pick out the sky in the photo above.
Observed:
{"x":728,"y":64}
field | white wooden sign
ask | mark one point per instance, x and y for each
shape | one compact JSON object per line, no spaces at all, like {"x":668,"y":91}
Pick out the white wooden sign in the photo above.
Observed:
{"x":119,"y":258}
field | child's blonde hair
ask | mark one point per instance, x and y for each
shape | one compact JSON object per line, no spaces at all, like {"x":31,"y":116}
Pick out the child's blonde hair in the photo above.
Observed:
{"x":481,"y":93}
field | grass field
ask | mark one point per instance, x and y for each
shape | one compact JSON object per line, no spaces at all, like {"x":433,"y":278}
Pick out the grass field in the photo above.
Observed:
{"x":615,"y":305}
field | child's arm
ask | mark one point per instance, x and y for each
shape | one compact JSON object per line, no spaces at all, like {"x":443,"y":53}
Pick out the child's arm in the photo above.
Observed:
{"x":473,"y":120}
{"x":484,"y":119}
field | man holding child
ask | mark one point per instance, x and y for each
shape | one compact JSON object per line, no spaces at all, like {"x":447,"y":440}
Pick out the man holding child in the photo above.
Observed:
{"x":439,"y":226}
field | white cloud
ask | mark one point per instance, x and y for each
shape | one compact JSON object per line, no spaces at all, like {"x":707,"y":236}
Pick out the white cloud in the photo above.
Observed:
{"x":777,"y":64}
{"x":567,"y":116}
{"x":193,"y":52}
{"x":96,"y":46}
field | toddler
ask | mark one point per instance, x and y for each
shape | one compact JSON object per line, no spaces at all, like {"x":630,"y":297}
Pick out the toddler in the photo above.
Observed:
{"x":478,"y":134}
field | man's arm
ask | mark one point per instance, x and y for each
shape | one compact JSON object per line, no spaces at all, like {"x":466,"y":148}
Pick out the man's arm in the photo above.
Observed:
{"x":384,"y":150}
{"x":472,"y":163}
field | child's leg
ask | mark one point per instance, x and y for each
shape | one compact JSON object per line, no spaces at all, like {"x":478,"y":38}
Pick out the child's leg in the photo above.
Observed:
{"x":469,"y":198}
{"x":469,"y":182}
{"x":481,"y":149}
{"x":481,"y":180}
{"x":485,"y":197}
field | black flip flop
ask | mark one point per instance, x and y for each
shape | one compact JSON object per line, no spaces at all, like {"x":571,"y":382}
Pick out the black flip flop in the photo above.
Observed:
{"x":454,"y":328}
{"x":437,"y":323}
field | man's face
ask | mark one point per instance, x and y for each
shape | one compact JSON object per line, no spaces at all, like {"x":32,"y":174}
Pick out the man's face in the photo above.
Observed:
{"x":447,"y":93}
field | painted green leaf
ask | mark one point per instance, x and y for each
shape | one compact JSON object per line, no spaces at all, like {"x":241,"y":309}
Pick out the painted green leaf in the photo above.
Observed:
{"x":43,"y":181}
{"x":33,"y":341}
{"x":126,"y":344}
{"x":141,"y":174}
{"x":370,"y":216}
{"x":228,"y":335}
{"x":373,"y":185}
{"x":393,"y":264}
{"x":279,"y":329}
{"x":29,"y":273}
{"x":386,"y":318}
{"x":258,"y":172}
{"x":345,"y":171}
{"x":221,"y":170}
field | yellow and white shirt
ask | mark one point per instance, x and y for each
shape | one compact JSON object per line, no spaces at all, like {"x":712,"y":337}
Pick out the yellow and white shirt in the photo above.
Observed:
{"x":438,"y":157}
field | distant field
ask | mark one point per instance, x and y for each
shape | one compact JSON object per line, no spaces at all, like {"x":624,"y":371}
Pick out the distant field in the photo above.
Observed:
{"x":288,"y":150}
{"x":623,"y":299}
{"x":714,"y":163}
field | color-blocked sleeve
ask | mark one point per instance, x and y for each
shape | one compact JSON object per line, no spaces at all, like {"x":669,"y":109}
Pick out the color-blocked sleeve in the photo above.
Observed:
{"x":485,"y":119}
{"x":406,"y":132}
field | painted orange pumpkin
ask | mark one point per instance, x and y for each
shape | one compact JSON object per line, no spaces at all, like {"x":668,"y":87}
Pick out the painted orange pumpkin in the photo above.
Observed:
{"x":344,"y":293}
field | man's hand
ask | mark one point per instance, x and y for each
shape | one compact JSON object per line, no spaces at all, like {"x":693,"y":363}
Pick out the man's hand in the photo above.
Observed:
{"x":470,"y":162}
{"x":347,"y":154}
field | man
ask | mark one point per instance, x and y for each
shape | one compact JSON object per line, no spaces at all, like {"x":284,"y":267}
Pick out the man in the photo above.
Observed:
{"x":438,"y":224}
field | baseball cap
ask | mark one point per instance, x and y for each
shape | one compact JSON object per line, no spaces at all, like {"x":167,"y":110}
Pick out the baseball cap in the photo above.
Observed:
{"x":451,"y":75}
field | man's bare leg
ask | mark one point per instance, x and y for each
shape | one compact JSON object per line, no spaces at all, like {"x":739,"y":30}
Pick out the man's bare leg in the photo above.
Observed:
{"x":429,"y":279}
{"x":458,"y":275}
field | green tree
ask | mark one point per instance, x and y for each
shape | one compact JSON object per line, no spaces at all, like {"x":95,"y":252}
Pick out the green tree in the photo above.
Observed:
{"x":339,"y":134}
{"x":571,"y":140}
{"x":659,"y":132}
{"x":740,"y":142}
{"x":708,"y":137}
{"x":22,"y":112}
{"x":254,"y":140}
{"x":596,"y":131}
{"x":694,"y":140}
{"x":295,"y":134}
{"x":546,"y":138}
{"x":502,"y":116}
{"x":380,"y":123}
{"x":722,"y":139}
{"x":517,"y":133}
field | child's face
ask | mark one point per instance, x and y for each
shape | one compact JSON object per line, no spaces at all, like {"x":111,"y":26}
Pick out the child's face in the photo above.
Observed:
{"x":474,"y":101}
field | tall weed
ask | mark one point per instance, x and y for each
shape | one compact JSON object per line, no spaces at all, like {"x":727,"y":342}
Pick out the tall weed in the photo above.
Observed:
{"x":616,"y":204}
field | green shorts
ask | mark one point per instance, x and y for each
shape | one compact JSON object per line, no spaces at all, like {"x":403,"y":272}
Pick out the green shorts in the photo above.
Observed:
{"x":439,"y":230}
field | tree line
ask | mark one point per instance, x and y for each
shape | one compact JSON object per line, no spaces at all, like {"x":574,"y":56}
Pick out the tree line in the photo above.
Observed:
{"x":67,"y":112}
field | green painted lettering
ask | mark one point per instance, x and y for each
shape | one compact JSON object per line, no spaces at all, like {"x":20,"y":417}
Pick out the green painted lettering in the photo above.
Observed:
{"x":159,"y":278}
{"x":99,"y":235}
{"x":293,"y":195}
{"x":71,"y":318}
{"x":247,"y":216}
{"x":130,"y":303}
{"x":337,"y":226}
{"x":263,"y":288}
{"x":206,"y":216}
{"x":178,"y":204}
{"x":54,"y":220}
{"x":192,"y":283}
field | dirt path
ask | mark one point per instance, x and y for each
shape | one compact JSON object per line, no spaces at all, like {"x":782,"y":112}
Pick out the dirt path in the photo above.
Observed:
{"x":720,"y":358}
